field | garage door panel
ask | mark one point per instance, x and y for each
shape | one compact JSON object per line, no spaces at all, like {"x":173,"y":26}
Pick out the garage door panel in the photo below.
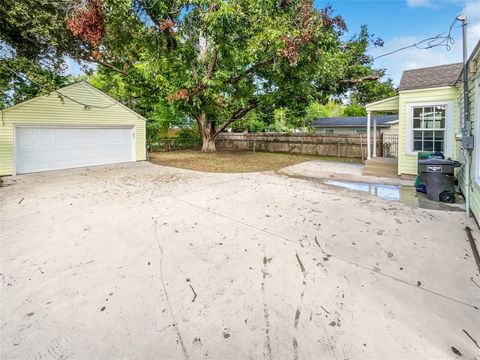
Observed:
{"x":91,"y":153}
{"x":27,"y":139}
{"x":62,"y":154}
{"x":40,"y":149}
{"x":60,"y":136}
{"x":44,"y":137}
{"x":46,"y":154}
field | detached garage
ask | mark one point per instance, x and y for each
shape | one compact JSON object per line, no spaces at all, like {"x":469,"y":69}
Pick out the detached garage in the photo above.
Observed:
{"x":75,"y":126}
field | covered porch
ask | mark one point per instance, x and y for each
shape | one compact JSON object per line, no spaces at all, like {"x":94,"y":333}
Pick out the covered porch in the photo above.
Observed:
{"x":385,"y":167}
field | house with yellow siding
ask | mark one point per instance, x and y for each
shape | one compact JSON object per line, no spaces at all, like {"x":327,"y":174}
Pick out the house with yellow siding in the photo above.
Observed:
{"x":469,"y":175}
{"x":75,"y":126}
{"x":428,"y":113}
{"x":433,"y":117}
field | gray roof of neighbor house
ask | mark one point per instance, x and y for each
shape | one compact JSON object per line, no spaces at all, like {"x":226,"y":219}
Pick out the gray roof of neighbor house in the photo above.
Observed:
{"x":430,"y":77}
{"x":354,"y":121}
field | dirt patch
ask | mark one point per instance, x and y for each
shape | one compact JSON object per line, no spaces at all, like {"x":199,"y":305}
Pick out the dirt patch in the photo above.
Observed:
{"x":234,"y":161}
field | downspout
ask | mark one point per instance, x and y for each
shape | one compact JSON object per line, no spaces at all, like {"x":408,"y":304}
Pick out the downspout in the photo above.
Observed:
{"x":467,"y":141}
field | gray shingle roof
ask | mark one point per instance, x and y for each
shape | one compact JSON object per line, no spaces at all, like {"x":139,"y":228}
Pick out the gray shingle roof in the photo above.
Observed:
{"x":353,"y":121}
{"x":429,"y":77}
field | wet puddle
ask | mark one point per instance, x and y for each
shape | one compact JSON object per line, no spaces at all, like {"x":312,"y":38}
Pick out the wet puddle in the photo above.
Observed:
{"x":388,"y":192}
{"x":403,"y":194}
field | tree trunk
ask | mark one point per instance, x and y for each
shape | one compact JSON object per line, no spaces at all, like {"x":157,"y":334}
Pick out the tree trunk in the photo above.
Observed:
{"x":208,"y":145}
{"x":207,"y":130}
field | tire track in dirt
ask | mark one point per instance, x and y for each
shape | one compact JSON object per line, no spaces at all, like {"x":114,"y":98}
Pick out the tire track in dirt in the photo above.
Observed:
{"x":299,"y":307}
{"x":266,"y":314}
{"x":164,"y":287}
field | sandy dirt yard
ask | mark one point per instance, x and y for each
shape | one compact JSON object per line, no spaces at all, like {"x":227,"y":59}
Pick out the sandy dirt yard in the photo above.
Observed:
{"x":140,"y":261}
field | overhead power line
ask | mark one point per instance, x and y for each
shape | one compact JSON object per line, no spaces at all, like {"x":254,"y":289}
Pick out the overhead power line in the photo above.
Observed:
{"x":441,"y":40}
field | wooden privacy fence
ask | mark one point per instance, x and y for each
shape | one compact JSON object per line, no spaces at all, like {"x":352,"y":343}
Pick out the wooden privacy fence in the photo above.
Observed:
{"x":175,"y":144}
{"x":349,"y":146}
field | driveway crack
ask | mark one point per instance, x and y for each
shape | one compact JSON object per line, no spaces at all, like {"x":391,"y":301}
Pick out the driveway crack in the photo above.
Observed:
{"x":169,"y":304}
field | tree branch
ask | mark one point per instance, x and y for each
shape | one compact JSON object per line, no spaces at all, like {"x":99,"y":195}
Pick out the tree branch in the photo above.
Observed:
{"x":90,"y":59}
{"x":151,"y":15}
{"x":237,"y":114}
{"x":171,"y":41}
{"x":250,"y":70}
{"x":213,"y":63}
{"x":360,"y":80}
{"x":110,"y":66}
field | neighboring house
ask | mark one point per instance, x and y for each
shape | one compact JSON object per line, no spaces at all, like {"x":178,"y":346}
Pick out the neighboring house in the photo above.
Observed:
{"x":428,"y":113}
{"x":74,"y":126}
{"x":469,"y":174}
{"x":355,"y":125}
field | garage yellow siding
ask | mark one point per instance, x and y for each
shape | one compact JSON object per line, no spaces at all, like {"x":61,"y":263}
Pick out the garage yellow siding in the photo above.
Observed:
{"x":407,"y":164}
{"x":52,"y":110}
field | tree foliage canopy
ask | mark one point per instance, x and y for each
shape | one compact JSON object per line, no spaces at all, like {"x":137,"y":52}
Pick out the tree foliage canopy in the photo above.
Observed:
{"x":212,"y":60}
{"x":371,"y":91}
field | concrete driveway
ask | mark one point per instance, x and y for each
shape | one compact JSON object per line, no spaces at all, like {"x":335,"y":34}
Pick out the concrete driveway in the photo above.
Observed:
{"x":140,"y":261}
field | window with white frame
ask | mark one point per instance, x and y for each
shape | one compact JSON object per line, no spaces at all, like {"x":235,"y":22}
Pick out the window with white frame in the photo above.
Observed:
{"x":360,"y":131}
{"x":329,"y":131}
{"x":429,"y":128}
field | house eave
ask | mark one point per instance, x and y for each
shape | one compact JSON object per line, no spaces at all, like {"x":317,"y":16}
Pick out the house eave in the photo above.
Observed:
{"x":427,"y":89}
{"x":388,"y":104}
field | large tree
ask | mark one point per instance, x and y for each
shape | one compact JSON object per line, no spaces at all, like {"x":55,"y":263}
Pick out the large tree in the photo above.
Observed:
{"x":213,"y":60}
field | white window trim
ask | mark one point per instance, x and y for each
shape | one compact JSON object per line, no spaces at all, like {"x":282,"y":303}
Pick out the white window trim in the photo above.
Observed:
{"x":477,"y":130}
{"x":448,"y":126}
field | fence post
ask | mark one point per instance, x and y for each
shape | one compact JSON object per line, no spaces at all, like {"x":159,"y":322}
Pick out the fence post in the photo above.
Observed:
{"x":361,"y":147}
{"x":338,"y":148}
{"x":302,"y":145}
{"x":254,"y":144}
{"x":382,"y":148}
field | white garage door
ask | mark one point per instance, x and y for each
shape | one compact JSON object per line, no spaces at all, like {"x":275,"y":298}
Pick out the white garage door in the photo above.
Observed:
{"x":47,"y":148}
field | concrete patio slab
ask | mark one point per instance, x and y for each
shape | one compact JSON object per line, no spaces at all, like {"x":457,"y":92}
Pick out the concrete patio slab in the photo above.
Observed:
{"x":321,"y":169}
{"x":144,"y":261}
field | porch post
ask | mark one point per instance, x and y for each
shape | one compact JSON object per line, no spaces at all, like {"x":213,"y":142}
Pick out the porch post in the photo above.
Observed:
{"x":375,"y":137}
{"x":369,"y":150}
